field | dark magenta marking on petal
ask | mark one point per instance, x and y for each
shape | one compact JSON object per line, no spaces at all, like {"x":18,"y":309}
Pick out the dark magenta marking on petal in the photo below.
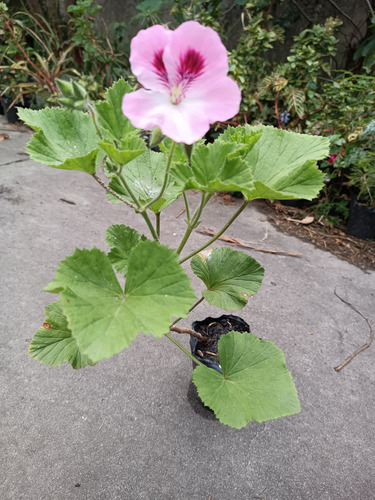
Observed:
{"x":191,"y":65}
{"x":159,"y":66}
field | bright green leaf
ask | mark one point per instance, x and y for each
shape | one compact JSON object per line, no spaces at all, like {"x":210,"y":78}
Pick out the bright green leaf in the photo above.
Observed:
{"x":128,"y":148}
{"x":283,"y":164}
{"x":104,"y":319}
{"x":122,"y":239}
{"x":53,"y":343}
{"x":145,"y":176}
{"x":231,"y":277}
{"x":255,"y":383}
{"x":65,"y":139}
{"x":110,"y":116}
{"x":216,"y":167}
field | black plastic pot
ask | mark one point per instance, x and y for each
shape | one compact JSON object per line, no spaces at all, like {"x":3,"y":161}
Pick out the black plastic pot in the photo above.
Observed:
{"x":11,"y":113}
{"x":237,"y":324}
{"x":361,"y":223}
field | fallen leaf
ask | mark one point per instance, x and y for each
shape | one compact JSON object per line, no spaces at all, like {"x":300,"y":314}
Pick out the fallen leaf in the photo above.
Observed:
{"x":307,"y":220}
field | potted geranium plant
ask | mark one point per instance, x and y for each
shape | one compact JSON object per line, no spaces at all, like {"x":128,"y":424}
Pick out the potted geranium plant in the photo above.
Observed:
{"x":186,"y":88}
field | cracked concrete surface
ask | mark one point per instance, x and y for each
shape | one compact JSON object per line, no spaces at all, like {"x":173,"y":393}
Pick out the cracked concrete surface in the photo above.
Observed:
{"x":126,"y":428}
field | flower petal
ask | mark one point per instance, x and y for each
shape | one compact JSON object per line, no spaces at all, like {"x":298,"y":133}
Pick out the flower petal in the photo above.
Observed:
{"x":181,"y":123}
{"x":146,"y":57}
{"x":219,"y":99}
{"x":204,"y":42}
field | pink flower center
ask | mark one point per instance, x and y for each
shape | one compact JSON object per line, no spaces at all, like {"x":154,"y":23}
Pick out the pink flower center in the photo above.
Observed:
{"x":191,"y":66}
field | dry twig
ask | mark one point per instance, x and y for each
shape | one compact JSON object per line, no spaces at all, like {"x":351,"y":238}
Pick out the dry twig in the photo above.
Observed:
{"x":192,"y":333}
{"x":365,"y":346}
{"x":234,"y":241}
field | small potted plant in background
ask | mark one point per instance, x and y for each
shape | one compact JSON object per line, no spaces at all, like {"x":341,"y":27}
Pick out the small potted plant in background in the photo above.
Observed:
{"x":185,"y":89}
{"x":360,"y":159}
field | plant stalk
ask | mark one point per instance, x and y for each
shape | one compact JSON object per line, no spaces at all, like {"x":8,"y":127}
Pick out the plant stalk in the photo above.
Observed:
{"x":139,"y":208}
{"x":157,"y":217}
{"x":183,"y":349}
{"x":193,"y":222}
{"x":186,"y":207}
{"x":192,"y":307}
{"x":231,"y":220}
{"x":166,"y":178}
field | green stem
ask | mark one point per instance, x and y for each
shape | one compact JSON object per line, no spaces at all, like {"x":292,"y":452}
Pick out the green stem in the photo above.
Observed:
{"x":157,"y":217}
{"x":192,"y":307}
{"x":128,"y":189}
{"x":186,"y":207}
{"x":109,"y":190}
{"x":193,"y":222}
{"x":166,"y":178}
{"x":139,"y":210}
{"x":231,"y":220}
{"x":92,"y":109}
{"x":183,"y":349}
{"x":150,"y":226}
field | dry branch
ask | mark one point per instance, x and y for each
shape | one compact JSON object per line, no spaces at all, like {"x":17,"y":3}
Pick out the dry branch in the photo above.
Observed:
{"x":234,"y":241}
{"x":365,"y":346}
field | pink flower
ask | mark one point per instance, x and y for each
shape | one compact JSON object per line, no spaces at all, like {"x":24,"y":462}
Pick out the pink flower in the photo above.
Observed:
{"x":184,"y":75}
{"x":332,"y":159}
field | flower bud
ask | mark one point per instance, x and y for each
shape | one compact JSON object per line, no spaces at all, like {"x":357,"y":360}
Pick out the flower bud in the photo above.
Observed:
{"x":156,"y":137}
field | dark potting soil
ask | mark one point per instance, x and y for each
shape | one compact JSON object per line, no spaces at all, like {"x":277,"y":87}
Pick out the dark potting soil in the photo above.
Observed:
{"x":212,"y":329}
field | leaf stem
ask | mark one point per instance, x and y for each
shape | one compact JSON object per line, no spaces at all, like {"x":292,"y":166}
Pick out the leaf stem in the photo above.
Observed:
{"x":183,"y":349}
{"x":192,"y":307}
{"x":192,"y":224}
{"x":109,"y":190}
{"x":157,"y":217}
{"x":186,"y":207}
{"x":93,"y":117}
{"x":166,"y":178}
{"x":138,"y":209}
{"x":217,"y":235}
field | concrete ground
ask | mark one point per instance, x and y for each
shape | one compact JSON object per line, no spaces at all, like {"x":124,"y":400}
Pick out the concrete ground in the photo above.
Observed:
{"x":127,"y":428}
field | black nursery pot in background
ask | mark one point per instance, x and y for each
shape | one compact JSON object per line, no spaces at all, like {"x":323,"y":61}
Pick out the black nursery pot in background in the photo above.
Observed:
{"x":361,"y":223}
{"x":11,"y":113}
{"x":213,"y":329}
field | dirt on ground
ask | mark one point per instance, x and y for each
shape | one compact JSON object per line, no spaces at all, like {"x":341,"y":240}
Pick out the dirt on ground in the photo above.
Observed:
{"x":302,"y":223}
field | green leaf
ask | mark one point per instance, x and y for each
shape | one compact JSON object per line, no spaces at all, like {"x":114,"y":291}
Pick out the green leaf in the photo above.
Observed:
{"x":255,"y":383}
{"x":283,"y":164}
{"x":145,"y":176}
{"x":65,"y":139}
{"x":110,"y":116}
{"x":217,"y":167}
{"x":231,"y":277}
{"x":53,"y":343}
{"x":122,"y":239}
{"x":128,"y":148}
{"x":104,"y":319}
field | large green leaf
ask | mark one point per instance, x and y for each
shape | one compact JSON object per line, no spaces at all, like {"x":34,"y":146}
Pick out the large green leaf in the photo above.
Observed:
{"x":53,"y":343}
{"x":64,"y":139}
{"x":255,"y":383}
{"x":231,"y":277}
{"x":145,"y":176}
{"x":127,"y":149}
{"x":110,"y":116}
{"x":104,"y":319}
{"x":217,"y":167}
{"x":282,"y":163}
{"x":122,"y":239}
